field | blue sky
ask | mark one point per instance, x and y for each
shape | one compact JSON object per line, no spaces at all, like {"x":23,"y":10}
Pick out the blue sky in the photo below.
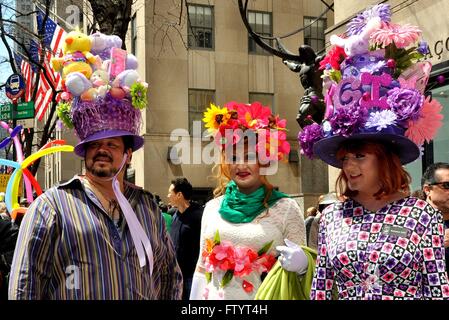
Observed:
{"x":5,"y":69}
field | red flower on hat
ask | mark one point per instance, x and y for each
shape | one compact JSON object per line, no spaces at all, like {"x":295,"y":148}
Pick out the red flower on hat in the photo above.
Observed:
{"x":334,"y":58}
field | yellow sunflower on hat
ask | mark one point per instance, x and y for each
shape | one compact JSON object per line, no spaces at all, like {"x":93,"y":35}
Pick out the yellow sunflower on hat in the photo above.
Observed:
{"x":214,"y":117}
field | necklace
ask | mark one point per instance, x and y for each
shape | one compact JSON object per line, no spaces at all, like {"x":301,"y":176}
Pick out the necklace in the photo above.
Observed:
{"x":110,"y":204}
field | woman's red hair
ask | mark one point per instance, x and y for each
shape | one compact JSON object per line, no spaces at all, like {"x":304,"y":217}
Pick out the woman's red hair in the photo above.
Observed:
{"x":392,"y":176}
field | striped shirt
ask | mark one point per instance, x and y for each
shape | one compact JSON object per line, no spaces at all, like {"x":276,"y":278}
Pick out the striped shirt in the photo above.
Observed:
{"x":69,"y":248}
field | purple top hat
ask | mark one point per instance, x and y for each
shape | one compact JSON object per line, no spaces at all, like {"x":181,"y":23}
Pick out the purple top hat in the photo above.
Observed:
{"x":105,"y":118}
{"x":375,"y":90}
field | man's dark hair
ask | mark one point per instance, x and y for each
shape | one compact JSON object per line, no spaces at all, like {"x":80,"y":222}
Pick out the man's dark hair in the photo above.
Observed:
{"x":183,"y":185}
{"x":128,"y":142}
{"x":429,"y":175}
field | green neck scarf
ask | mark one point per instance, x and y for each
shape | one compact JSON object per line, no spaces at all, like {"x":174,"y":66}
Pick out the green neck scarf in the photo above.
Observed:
{"x":238,"y":207}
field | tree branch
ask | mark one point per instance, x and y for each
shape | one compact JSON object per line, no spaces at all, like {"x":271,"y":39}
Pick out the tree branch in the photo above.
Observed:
{"x":5,"y":42}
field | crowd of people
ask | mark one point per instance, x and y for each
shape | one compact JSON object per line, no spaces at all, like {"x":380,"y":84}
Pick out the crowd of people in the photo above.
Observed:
{"x":98,"y":236}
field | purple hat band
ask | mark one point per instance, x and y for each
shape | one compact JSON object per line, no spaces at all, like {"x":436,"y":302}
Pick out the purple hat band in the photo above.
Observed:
{"x":137,"y":141}
{"x":105,"y":118}
{"x":392,"y":136}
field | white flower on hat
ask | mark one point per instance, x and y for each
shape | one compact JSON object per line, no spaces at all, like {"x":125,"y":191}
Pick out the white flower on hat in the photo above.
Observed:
{"x":381,"y":119}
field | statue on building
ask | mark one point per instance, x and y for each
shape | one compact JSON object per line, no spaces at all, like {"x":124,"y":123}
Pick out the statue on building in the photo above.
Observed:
{"x":311,"y":105}
{"x":306,"y":63}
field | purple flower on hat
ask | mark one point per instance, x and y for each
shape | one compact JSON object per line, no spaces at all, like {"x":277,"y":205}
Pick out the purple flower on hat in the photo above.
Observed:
{"x":381,"y":119}
{"x":423,"y":48}
{"x":347,"y":120}
{"x":406,"y":103}
{"x":356,"y":25}
{"x":307,"y":138}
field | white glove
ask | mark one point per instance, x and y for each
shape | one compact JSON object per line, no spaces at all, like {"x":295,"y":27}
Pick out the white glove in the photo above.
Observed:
{"x":198,"y":285}
{"x":292,"y":257}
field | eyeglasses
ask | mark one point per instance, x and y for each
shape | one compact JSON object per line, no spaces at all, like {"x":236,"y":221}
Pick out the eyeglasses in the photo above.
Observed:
{"x":444,"y":185}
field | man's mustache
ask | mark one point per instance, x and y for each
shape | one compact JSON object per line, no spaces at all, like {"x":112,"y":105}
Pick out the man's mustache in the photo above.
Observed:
{"x":102,"y":155}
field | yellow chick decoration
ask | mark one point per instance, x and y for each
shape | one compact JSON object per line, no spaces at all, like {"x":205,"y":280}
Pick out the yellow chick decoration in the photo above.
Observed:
{"x":76,"y":63}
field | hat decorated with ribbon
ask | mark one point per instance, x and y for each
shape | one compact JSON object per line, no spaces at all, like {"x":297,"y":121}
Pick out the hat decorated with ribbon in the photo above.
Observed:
{"x":103,"y":93}
{"x":228,"y":125}
{"x":375,"y":79}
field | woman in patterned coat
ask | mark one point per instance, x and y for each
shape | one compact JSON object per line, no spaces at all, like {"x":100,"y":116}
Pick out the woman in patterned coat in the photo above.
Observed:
{"x":379,"y":243}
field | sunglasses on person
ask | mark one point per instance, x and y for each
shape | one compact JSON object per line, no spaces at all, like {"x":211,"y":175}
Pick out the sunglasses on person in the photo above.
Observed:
{"x":444,"y":185}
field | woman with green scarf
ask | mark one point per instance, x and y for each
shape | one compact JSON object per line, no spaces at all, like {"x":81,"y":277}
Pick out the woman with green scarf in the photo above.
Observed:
{"x":247,"y":219}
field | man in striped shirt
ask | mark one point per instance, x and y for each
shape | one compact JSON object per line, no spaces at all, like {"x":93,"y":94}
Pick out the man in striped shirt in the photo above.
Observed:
{"x":74,"y":243}
{"x":97,"y":236}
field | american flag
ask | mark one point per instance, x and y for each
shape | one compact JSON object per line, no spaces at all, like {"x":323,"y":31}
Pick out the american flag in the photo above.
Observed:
{"x":27,"y":73}
{"x":53,"y":34}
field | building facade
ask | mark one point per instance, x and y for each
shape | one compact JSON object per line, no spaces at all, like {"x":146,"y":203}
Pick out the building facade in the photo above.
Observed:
{"x":431,"y":17}
{"x":209,"y":58}
{"x":201,"y":54}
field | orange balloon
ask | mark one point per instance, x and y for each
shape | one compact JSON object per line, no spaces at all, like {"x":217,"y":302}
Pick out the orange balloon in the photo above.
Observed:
{"x":18,"y":213}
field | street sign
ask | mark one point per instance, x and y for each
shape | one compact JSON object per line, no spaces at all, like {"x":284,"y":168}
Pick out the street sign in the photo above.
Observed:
{"x":24,"y":114}
{"x":6,"y":111}
{"x":26,"y":123}
{"x":15,"y":86}
{"x":25,"y":105}
{"x":24,"y":110}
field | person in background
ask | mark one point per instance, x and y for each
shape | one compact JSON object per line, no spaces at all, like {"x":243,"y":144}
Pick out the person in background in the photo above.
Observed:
{"x":185,"y":229}
{"x":419,"y":194}
{"x":313,"y":223}
{"x":435,"y":185}
{"x":311,"y":212}
{"x":168,"y":218}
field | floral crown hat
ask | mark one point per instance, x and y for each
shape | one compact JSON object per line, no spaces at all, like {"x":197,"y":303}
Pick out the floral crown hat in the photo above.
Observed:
{"x":102,"y":91}
{"x":230,"y":124}
{"x":375,"y":81}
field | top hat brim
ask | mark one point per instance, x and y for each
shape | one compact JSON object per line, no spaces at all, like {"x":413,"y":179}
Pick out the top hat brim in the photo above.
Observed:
{"x":326,"y":149}
{"x":137,"y":142}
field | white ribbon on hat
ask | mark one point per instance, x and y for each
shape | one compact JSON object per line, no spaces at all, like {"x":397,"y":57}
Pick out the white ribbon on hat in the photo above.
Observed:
{"x":141,"y":241}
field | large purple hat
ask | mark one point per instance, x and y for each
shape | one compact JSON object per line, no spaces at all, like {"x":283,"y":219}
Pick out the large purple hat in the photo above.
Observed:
{"x":104,"y":100}
{"x":106,"y":118}
{"x":374,"y":90}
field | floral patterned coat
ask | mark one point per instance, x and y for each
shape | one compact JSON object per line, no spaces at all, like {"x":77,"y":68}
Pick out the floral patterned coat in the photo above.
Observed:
{"x":396,"y":252}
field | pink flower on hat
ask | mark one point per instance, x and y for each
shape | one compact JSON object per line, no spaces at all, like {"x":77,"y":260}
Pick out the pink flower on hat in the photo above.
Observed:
{"x":402,"y":36}
{"x":272,"y":144}
{"x":253,"y":116}
{"x":426,"y":126}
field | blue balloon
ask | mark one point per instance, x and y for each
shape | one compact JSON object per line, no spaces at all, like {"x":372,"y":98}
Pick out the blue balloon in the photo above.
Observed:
{"x":5,"y":142}
{"x":15,"y":131}
{"x":8,"y":194}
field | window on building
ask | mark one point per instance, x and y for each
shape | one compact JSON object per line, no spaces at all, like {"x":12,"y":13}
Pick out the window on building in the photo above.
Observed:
{"x":267,"y":99}
{"x":314,"y":34}
{"x":201,"y":27}
{"x":199,"y":101}
{"x":81,"y":23}
{"x":261,"y":23}
{"x":133,"y":35}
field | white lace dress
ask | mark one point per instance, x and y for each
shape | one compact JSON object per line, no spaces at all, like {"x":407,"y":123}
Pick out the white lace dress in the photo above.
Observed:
{"x":283,"y":220}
